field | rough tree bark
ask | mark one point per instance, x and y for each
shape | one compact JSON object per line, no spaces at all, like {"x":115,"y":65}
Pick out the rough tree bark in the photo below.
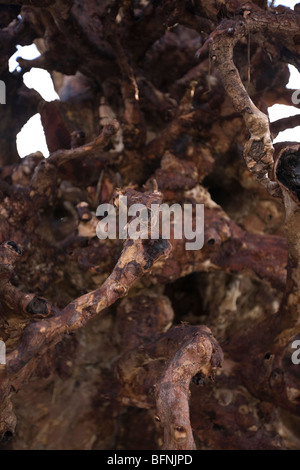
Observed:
{"x":145,"y":345}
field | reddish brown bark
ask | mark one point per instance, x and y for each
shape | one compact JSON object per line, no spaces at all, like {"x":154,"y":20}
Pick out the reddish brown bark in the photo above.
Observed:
{"x":155,"y":104}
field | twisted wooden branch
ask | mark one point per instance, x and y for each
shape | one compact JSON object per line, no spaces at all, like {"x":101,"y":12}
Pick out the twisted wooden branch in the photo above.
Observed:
{"x":199,"y":354}
{"x":279,"y":175}
{"x":136,"y":259}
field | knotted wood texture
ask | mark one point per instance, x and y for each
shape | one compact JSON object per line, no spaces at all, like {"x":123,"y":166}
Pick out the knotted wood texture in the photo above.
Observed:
{"x":142,"y":344}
